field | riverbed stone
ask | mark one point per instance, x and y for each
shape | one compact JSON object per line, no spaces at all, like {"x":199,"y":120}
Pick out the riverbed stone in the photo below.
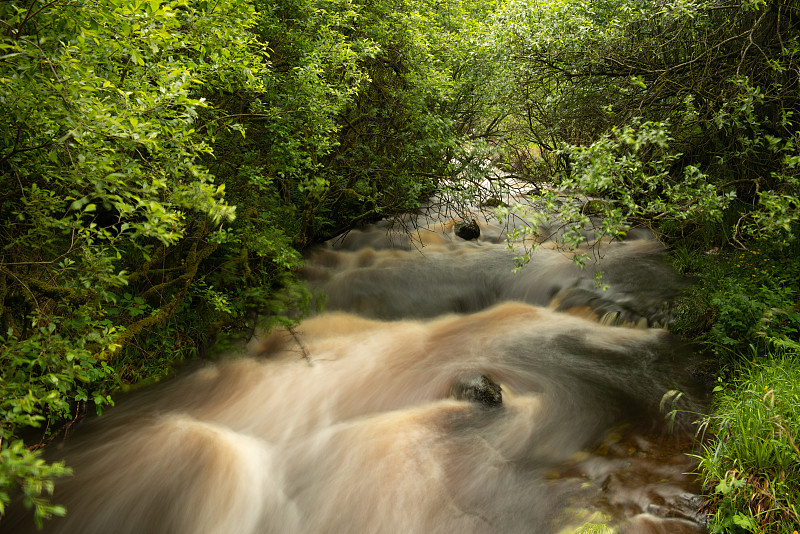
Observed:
{"x":467,"y":229}
{"x":477,"y":388}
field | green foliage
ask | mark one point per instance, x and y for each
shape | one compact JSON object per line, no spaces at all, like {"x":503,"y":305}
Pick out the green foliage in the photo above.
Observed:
{"x":744,"y":301}
{"x":669,"y":109}
{"x":357,"y":121}
{"x":753,"y":463}
{"x":164,"y":162}
{"x":104,"y":129}
{"x":44,"y":372}
{"x":745,"y":308}
{"x":23,"y":468}
{"x":682,"y":117}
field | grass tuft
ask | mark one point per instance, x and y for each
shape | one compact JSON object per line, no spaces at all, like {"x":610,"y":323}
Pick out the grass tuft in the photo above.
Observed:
{"x":751,"y":467}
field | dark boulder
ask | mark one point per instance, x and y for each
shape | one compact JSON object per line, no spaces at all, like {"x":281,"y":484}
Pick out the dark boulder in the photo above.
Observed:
{"x":467,"y":229}
{"x":477,"y":388}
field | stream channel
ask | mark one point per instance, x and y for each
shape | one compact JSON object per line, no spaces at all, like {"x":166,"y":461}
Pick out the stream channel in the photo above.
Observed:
{"x":440,"y":392}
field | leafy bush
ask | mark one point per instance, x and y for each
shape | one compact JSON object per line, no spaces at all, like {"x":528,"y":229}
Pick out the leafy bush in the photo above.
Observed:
{"x":25,"y":469}
{"x":682,"y":117}
{"x":670,"y":110}
{"x":101,"y":168}
{"x":743,"y":301}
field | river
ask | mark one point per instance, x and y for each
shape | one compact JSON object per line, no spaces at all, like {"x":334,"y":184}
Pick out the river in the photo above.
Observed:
{"x":440,"y":392}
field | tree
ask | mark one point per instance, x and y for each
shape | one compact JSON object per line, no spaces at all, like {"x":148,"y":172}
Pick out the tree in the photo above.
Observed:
{"x":102,"y":150}
{"x":360,"y":119}
{"x":679,"y":112}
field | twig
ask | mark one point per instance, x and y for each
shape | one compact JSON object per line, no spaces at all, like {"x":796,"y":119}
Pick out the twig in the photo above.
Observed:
{"x":306,"y":355}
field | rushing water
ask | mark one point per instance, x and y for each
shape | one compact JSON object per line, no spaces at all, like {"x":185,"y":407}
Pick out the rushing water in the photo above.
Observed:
{"x":357,"y":421}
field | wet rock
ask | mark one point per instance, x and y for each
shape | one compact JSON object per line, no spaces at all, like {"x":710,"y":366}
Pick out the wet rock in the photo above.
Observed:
{"x":658,"y":525}
{"x":685,"y":506}
{"x":477,"y":388}
{"x":493,"y":202}
{"x":594,"y":207}
{"x":467,"y":229}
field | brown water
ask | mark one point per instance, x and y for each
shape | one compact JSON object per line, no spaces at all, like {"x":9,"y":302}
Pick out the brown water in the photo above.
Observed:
{"x":348,"y":425}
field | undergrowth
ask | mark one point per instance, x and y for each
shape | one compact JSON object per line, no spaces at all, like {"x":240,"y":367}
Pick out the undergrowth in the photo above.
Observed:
{"x":745,"y":309}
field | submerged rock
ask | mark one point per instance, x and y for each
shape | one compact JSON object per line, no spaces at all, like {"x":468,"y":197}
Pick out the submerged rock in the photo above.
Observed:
{"x":686,"y":506}
{"x":477,"y":388}
{"x":467,"y":229}
{"x":594,"y":207}
{"x":493,"y":202}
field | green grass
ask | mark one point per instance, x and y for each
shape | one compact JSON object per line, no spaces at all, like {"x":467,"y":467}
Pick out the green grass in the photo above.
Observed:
{"x":751,"y":465}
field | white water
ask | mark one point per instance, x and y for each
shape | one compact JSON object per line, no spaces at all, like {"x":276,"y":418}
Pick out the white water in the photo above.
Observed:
{"x":347,"y":425}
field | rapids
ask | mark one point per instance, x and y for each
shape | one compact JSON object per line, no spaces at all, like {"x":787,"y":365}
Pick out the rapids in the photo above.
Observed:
{"x":347,"y":424}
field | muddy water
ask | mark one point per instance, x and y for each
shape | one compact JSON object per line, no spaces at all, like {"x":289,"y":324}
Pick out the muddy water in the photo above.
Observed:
{"x":349,"y":424}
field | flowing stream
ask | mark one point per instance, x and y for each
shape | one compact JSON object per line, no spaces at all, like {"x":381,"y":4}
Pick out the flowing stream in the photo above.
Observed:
{"x":439,"y":392}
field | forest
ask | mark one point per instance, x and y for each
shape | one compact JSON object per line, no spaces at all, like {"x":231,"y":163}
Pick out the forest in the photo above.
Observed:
{"x":164,"y":164}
